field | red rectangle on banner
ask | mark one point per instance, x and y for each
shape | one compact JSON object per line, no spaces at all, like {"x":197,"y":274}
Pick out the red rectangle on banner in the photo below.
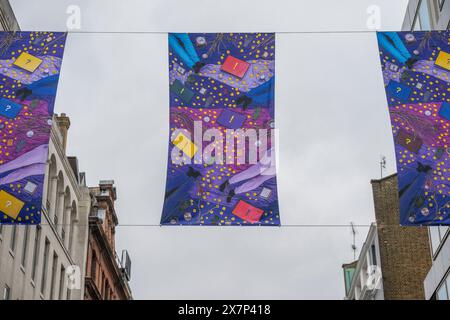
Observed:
{"x":247,"y":212}
{"x":235,"y":66}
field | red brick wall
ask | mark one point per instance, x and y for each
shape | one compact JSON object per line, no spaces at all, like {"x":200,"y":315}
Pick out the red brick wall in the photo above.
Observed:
{"x":104,"y":273}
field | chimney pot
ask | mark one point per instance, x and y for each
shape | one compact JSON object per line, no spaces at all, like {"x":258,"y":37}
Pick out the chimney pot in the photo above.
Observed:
{"x":63,"y":122}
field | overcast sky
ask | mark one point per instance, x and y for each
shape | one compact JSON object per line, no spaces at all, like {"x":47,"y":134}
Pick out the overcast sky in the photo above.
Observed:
{"x":330,"y":110}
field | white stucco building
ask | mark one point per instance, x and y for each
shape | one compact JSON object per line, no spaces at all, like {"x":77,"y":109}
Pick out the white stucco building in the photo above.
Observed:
{"x":363,"y":278}
{"x":34,"y":260}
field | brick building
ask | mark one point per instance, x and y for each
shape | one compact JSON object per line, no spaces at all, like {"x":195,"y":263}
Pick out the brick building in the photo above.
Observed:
{"x":433,"y":15}
{"x":399,"y":256}
{"x":106,"y":277}
{"x":404,"y":251}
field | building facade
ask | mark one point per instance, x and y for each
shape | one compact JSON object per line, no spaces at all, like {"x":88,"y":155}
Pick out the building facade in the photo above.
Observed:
{"x":73,"y":249}
{"x":363,"y":277}
{"x":35,"y":260}
{"x":106,"y":276}
{"x":8,"y":21}
{"x":427,"y":15}
{"x":394,"y":260}
{"x":433,"y":15}
{"x":71,"y":255}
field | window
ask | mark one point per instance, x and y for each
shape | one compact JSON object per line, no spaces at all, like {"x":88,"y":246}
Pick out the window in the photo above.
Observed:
{"x":440,"y":4}
{"x":44,"y":265}
{"x":443,"y":231}
{"x":423,"y":16}
{"x":13,"y":237}
{"x":37,"y":238}
{"x":443,"y":292}
{"x":6,"y":293}
{"x":71,"y":230}
{"x":435,"y":238}
{"x":106,"y":294}
{"x":437,"y":235}
{"x":101,"y":214}
{"x":348,"y":275}
{"x":102,"y":284}
{"x":25,"y":245}
{"x":53,"y":275}
{"x":373,"y":252}
{"x":62,"y":278}
{"x":447,"y":281}
{"x":94,"y":266}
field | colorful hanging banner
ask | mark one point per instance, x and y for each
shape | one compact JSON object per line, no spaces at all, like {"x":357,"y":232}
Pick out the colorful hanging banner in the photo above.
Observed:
{"x":30,"y":64}
{"x":416,"y":71}
{"x":221,"y":162}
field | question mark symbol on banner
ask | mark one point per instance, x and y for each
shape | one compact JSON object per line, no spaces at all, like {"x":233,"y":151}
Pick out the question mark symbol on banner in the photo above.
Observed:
{"x":8,"y":107}
{"x":399,"y":89}
{"x":8,"y":203}
{"x":408,"y":141}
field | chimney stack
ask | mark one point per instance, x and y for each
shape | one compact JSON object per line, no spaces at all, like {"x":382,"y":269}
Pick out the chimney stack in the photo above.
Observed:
{"x":63,"y":122}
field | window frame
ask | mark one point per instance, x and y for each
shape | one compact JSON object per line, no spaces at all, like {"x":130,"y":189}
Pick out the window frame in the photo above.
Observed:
{"x":53,"y":275}
{"x":62,"y":281}
{"x":26,"y":236}
{"x":444,"y":284}
{"x":13,"y":240}
{"x":6,"y":292}
{"x":418,"y":19}
{"x":36,"y":249}
{"x":44,"y":274}
{"x":442,"y":239}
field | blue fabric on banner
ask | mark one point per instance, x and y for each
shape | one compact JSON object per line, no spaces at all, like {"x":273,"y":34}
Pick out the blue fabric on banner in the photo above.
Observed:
{"x":30,"y":67}
{"x":416,"y":74}
{"x":221,"y":82}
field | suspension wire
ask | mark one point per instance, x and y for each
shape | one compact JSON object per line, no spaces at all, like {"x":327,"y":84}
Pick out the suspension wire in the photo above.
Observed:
{"x":242,"y":225}
{"x":305,"y":225}
{"x":279,"y":32}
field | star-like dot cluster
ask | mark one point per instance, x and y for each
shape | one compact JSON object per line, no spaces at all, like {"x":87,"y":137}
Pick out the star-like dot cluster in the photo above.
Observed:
{"x":419,"y":105}
{"x":29,"y":127}
{"x":205,"y":202}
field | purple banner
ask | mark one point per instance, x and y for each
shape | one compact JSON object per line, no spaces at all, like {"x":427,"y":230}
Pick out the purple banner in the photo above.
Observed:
{"x":221,"y":161}
{"x":30,"y":64}
{"x":416,"y":71}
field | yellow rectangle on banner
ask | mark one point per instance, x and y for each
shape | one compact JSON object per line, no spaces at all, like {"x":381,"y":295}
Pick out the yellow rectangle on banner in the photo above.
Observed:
{"x":443,"y":60}
{"x":27,"y":61}
{"x":10,"y":205}
{"x":185,"y":144}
